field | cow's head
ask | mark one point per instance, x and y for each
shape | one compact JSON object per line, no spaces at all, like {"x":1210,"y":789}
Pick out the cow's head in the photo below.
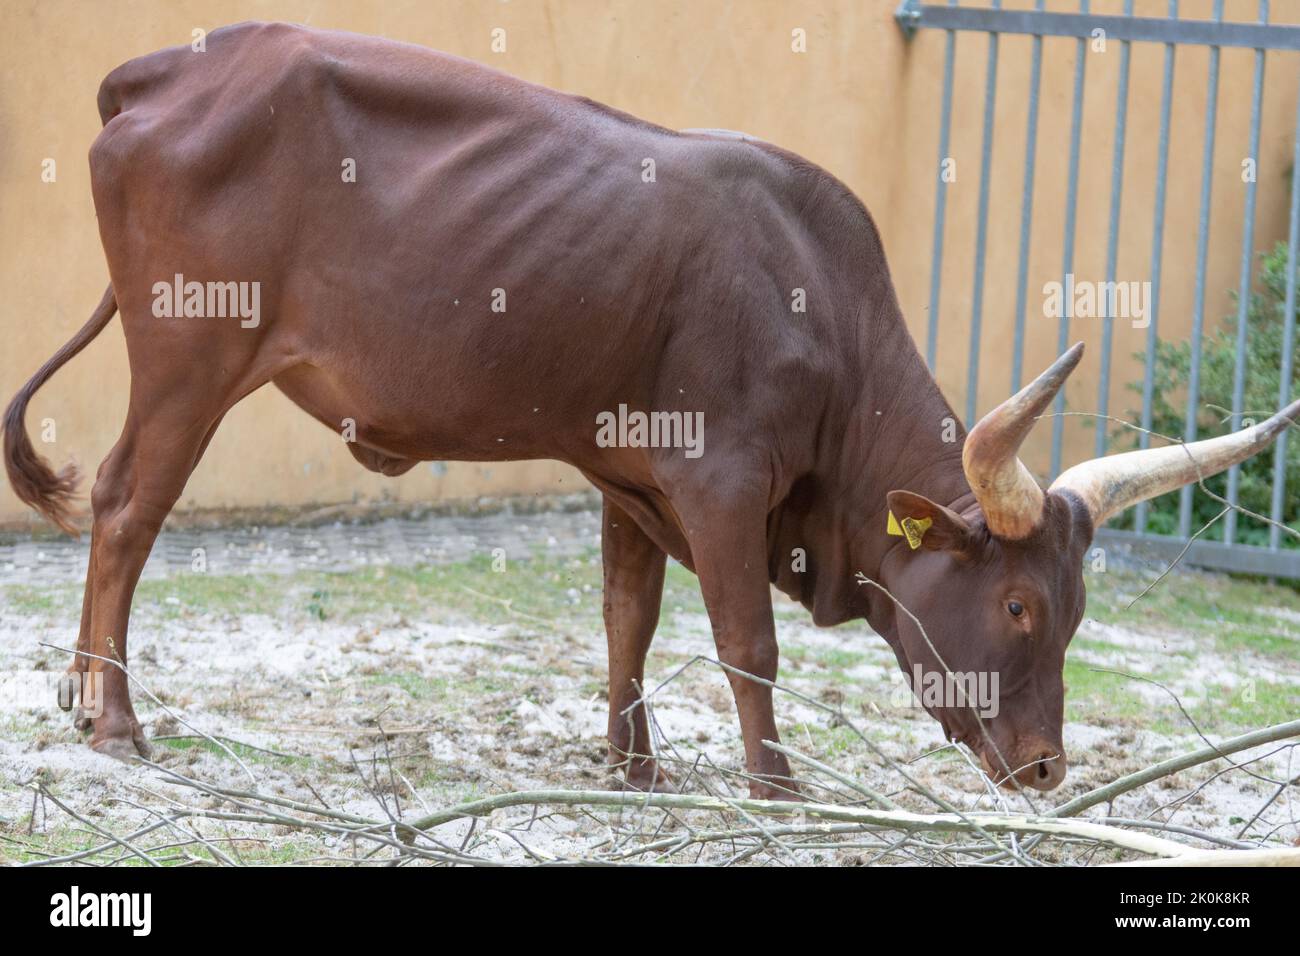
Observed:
{"x":991,"y":595}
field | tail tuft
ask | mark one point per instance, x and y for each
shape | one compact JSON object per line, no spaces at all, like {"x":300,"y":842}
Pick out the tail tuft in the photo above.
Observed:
{"x":33,"y":480}
{"x":30,"y":475}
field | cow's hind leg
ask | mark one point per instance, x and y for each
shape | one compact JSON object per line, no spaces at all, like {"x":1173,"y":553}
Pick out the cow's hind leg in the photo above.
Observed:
{"x":135,"y":489}
{"x":634,"y":583}
{"x":88,"y":704}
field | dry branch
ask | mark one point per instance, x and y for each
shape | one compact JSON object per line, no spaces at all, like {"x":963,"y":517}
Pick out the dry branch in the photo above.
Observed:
{"x":883,"y":819}
{"x":1225,"y":858}
{"x":1174,"y":764}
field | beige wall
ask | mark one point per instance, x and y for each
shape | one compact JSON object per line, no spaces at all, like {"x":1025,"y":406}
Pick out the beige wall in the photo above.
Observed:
{"x":862,"y":102}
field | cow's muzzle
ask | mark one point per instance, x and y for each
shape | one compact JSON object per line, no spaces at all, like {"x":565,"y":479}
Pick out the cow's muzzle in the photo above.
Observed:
{"x":1040,"y":768}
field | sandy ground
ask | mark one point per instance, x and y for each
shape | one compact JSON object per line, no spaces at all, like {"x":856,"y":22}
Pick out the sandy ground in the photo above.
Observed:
{"x":375,"y":708}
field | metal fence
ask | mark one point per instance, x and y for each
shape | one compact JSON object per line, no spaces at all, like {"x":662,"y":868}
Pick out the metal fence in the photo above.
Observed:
{"x":1172,"y":32}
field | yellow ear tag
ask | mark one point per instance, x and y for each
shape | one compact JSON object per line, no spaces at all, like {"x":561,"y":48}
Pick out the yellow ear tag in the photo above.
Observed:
{"x":910,"y":528}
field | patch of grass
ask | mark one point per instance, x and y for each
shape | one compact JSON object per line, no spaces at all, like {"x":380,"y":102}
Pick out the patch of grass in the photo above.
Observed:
{"x":530,"y":591}
{"x":317,"y":606}
{"x":1258,"y":704}
{"x":1233,"y":616}
{"x":1096,"y":697}
{"x":180,"y":594}
{"x":259,"y":849}
{"x":840,"y":659}
{"x":261,"y":852}
{"x":417,"y":685}
{"x":1098,"y":646}
{"x":530,"y":588}
{"x":41,"y":601}
{"x":1237,"y":609}
{"x":246,"y":753}
{"x":17,"y":846}
{"x":828,"y":742}
{"x":21,"y":724}
{"x":681,"y":590}
{"x":1262,"y":635}
{"x":797,"y":653}
{"x":447,"y":691}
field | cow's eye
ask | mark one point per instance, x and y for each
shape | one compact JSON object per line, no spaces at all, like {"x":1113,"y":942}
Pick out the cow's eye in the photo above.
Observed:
{"x":1016,"y":608}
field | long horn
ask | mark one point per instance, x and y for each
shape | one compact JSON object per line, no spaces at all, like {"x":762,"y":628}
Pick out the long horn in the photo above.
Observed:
{"x":1011,"y":499}
{"x":1109,"y":485}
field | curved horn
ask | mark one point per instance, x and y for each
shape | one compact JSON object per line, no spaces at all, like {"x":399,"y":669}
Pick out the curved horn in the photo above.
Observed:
{"x":1007,"y":492}
{"x":1109,"y":485}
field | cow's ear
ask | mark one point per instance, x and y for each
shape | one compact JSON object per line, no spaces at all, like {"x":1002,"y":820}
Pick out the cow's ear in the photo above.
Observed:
{"x":926,"y":524}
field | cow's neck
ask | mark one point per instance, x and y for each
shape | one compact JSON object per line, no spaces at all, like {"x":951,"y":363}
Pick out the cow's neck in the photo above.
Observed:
{"x":897,"y":432}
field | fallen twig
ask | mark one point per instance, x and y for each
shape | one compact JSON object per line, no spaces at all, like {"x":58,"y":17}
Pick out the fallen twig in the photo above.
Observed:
{"x":885,"y":819}
{"x":1174,"y":764}
{"x":1269,"y":857}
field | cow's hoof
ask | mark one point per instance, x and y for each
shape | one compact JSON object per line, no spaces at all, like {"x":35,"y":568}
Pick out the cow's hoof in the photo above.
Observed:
{"x":82,"y":721}
{"x":125,"y":748}
{"x":782,"y":790}
{"x":659,"y":783}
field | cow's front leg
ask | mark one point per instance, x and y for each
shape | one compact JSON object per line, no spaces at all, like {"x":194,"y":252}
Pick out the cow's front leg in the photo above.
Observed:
{"x":634,"y":583}
{"x":727,"y":532}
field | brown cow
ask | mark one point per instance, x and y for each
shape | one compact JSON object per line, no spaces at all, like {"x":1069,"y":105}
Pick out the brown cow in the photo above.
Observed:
{"x":510,"y":268}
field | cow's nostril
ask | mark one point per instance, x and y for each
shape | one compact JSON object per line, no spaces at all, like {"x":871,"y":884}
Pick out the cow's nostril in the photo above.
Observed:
{"x":1049,"y":771}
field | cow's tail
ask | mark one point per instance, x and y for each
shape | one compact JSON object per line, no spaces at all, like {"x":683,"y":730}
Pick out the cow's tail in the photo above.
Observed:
{"x":30,"y":475}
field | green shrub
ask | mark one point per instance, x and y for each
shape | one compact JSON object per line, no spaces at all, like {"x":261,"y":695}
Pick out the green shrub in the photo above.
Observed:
{"x":1264,"y":319}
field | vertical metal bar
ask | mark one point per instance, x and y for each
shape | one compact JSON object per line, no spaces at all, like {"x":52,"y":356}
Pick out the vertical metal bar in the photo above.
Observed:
{"x":1202,"y":251}
{"x":1112,"y":243}
{"x":1157,"y":255}
{"x":940,"y":200}
{"x":1288,"y":342}
{"x":1027,"y":210}
{"x":1071,"y":209}
{"x":1244,"y":284}
{"x":986,"y":174}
